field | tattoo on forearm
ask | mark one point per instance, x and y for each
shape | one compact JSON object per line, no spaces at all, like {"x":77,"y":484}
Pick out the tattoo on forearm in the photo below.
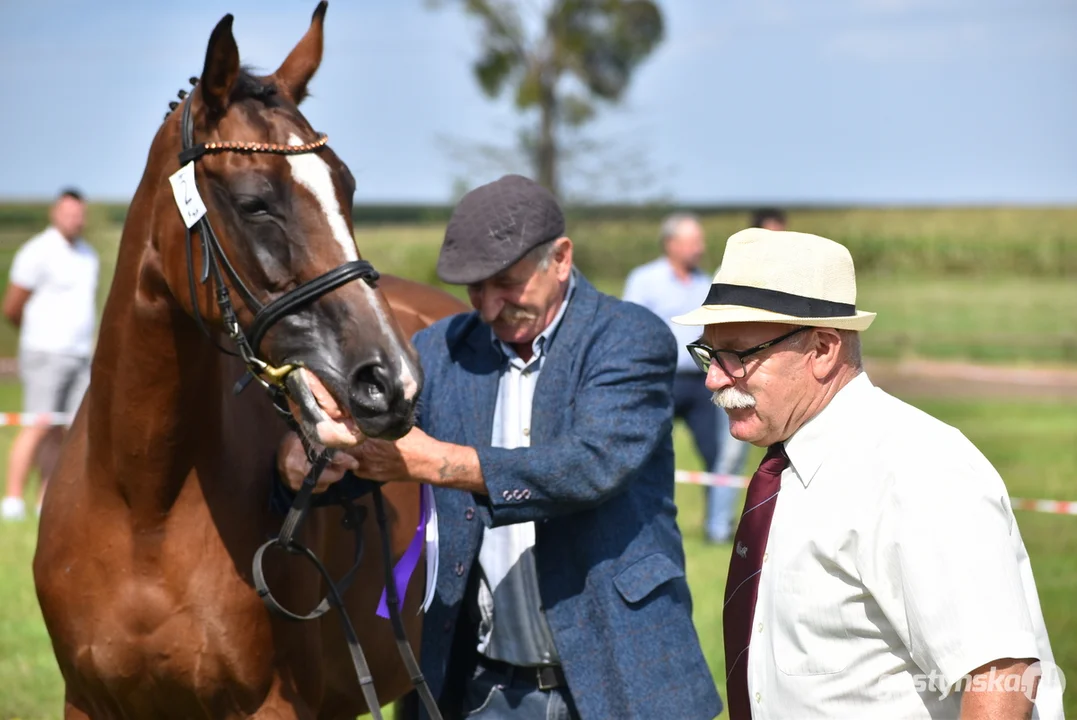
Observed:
{"x":450,"y":471}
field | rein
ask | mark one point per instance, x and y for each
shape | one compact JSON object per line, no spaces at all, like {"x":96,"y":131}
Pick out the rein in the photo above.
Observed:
{"x":272,"y":379}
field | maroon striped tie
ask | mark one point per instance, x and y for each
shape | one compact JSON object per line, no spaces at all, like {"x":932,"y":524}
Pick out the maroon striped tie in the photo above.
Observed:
{"x":742,"y":585}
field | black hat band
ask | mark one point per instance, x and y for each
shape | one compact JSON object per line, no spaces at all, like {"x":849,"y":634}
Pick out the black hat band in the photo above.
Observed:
{"x":777,"y":301}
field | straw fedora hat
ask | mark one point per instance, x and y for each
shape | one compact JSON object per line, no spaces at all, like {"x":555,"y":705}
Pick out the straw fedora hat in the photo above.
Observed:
{"x":782,"y":277}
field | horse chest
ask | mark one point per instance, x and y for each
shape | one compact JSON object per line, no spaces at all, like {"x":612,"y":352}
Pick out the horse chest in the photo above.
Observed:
{"x":175,"y":628}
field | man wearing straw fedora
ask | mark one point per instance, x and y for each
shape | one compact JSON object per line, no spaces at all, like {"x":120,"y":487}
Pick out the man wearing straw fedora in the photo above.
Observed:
{"x":877,"y":570}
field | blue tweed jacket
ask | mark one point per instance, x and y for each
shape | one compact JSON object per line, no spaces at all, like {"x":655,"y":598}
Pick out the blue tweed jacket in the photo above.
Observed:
{"x":598,"y":482}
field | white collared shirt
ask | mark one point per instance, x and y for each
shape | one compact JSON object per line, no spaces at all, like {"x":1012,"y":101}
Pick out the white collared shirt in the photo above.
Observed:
{"x":512,"y":623}
{"x":893,"y":568}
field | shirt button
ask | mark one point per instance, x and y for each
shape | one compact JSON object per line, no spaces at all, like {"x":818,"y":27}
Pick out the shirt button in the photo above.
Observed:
{"x":469,"y":513}
{"x":459,"y":569}
{"x":758,"y":697}
{"x":760,"y":627}
{"x":527,"y":432}
{"x":765,"y":556}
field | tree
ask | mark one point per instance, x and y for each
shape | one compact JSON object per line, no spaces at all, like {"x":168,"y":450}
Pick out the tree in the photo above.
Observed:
{"x":560,"y":62}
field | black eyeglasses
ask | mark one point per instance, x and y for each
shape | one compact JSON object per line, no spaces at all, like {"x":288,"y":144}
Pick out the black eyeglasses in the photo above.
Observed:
{"x":732,"y":361}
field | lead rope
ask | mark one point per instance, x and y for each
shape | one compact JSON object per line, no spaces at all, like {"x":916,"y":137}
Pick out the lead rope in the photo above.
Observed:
{"x":286,"y":540}
{"x":392,"y":599}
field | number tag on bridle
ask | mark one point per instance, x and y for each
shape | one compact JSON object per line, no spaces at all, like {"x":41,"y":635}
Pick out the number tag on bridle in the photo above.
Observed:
{"x":185,"y":191}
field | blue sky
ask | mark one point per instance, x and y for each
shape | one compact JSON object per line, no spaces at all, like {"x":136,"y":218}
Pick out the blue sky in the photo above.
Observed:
{"x":747,"y":101}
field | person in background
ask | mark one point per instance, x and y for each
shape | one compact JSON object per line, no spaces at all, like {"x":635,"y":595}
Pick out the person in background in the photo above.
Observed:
{"x":673,"y":285}
{"x":51,"y":299}
{"x":768,"y":218}
{"x":545,"y":429}
{"x":878,"y":570}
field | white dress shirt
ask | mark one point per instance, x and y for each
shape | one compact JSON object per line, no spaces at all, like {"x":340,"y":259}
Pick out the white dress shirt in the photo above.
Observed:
{"x":894,"y":567}
{"x":512,"y":622}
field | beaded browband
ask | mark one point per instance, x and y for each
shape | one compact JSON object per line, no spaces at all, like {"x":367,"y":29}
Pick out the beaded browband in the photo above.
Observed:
{"x":197,"y":151}
{"x":201,"y":149}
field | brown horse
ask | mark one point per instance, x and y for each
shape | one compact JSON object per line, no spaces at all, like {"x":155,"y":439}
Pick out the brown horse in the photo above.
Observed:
{"x":160,"y":497}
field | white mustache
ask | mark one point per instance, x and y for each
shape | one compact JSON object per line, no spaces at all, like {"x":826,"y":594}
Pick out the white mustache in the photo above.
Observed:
{"x":513,"y":315}
{"x":733,"y":397}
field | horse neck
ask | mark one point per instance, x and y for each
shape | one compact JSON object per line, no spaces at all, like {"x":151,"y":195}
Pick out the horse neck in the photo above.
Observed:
{"x":156,"y":394}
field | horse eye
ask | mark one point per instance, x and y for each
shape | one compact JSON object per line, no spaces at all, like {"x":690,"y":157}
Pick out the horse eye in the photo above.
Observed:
{"x":252,"y":205}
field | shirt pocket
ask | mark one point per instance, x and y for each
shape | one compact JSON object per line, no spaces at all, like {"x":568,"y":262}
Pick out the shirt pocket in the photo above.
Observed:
{"x":811,"y":635}
{"x":645,"y":575}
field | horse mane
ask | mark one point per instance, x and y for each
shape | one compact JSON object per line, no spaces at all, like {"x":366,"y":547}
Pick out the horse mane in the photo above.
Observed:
{"x":248,"y":87}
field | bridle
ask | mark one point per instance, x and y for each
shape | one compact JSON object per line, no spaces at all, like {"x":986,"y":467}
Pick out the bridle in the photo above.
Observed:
{"x":214,"y":258}
{"x":272,"y":378}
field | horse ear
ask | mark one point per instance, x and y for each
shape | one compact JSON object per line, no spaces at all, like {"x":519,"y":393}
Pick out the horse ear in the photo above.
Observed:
{"x":303,"y":61}
{"x":221,"y":69}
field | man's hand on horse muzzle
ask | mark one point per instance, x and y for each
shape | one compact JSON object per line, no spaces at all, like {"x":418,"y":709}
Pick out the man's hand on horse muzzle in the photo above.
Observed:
{"x":293,"y":466}
{"x":416,"y":457}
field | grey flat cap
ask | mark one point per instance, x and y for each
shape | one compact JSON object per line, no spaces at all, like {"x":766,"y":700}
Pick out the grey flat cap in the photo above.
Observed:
{"x":495,"y":225}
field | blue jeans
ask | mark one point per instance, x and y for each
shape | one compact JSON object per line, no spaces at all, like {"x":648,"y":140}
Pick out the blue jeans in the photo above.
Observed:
{"x":720,"y":500}
{"x":491,"y":695}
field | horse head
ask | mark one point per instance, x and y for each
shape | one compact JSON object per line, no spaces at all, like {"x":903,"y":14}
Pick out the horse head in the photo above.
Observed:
{"x":276,"y":239}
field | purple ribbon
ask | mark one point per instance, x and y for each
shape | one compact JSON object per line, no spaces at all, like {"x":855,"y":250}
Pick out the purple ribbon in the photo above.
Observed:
{"x":405,"y":566}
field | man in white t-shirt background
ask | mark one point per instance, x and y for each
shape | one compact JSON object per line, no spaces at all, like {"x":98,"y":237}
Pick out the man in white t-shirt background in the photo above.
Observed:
{"x":51,"y":299}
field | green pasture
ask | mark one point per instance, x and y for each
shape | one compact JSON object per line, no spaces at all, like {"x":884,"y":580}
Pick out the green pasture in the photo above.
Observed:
{"x":983,"y":284}
{"x":1032,"y":445}
{"x":1036,"y":241}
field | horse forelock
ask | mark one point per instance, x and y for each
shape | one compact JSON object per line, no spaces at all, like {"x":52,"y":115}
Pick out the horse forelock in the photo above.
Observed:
{"x":248,"y":86}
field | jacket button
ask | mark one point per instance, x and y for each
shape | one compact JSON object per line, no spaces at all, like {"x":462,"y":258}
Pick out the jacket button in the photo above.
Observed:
{"x":469,"y":513}
{"x":527,"y":493}
{"x":448,"y":625}
{"x":459,"y":569}
{"x":507,"y":494}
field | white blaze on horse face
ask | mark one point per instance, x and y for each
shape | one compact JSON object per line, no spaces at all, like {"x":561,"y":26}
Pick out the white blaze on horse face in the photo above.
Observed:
{"x":407,"y":376}
{"x":312,"y":172}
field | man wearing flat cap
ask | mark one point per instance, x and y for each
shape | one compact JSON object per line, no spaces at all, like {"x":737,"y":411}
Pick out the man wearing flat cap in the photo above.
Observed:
{"x":545,"y":429}
{"x":878,"y":570}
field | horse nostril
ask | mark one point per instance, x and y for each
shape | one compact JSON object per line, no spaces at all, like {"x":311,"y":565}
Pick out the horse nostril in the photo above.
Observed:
{"x":371,"y":389}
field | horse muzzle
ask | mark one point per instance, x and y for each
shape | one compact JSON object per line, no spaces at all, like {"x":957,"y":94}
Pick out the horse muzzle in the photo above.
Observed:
{"x":377,"y":403}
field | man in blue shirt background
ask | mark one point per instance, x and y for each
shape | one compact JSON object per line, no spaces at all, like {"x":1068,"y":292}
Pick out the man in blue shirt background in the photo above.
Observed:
{"x":672,"y":285}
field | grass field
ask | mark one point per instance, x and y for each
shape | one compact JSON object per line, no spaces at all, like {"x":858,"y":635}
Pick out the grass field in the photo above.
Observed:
{"x":1032,"y":445}
{"x":935,"y":308}
{"x":992,"y":285}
